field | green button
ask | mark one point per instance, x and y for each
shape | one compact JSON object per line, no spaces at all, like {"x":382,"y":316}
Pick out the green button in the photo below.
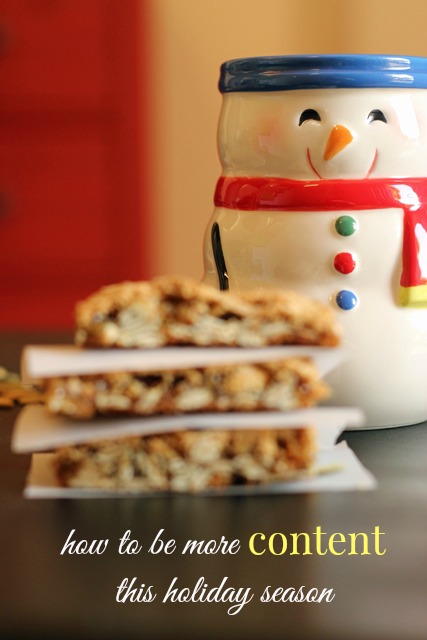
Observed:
{"x":345,"y":225}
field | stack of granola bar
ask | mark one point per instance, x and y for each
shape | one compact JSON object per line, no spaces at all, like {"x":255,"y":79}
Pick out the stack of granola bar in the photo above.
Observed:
{"x":211,"y":354}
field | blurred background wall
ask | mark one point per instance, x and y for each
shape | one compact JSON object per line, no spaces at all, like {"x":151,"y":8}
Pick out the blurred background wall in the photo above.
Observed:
{"x":108,"y":117}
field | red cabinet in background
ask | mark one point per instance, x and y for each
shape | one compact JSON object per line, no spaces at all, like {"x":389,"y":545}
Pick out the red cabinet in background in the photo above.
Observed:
{"x":73,"y":191}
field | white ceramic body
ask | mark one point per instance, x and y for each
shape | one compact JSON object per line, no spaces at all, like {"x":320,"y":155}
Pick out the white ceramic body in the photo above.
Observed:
{"x":386,"y":370}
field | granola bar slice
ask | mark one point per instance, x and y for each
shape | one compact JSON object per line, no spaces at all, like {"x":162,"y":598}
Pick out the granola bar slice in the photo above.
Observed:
{"x":176,"y":310}
{"x":278,"y":385}
{"x":188,"y":461}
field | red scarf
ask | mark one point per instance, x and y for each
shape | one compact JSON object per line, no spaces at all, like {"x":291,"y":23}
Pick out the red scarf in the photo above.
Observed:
{"x":280,"y":194}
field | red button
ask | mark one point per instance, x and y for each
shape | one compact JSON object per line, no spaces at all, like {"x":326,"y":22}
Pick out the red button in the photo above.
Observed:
{"x":344,"y":263}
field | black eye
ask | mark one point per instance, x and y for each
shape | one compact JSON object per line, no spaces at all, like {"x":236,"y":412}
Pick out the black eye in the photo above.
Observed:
{"x":308,"y":114}
{"x":376,"y":114}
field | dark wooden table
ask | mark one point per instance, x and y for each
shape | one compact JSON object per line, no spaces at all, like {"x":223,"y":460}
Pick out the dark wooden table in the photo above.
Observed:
{"x":48,"y":595}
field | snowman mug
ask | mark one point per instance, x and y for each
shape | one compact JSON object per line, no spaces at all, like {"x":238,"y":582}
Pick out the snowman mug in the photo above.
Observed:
{"x":324,"y":191}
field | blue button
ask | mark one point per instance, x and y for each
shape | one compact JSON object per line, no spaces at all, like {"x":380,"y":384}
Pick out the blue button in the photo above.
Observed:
{"x":346,"y":300}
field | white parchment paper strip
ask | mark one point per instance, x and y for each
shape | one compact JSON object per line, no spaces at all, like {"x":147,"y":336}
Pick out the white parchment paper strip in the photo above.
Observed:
{"x":36,"y":430}
{"x":51,"y":360}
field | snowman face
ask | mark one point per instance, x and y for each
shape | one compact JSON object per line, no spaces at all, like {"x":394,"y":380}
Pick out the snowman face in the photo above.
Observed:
{"x":325,"y":133}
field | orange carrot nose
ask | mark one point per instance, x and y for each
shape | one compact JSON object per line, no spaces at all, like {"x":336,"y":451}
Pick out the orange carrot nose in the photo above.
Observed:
{"x":339,"y":138}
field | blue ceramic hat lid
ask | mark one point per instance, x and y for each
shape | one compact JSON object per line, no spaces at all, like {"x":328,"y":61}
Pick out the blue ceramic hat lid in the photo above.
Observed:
{"x":280,"y":73}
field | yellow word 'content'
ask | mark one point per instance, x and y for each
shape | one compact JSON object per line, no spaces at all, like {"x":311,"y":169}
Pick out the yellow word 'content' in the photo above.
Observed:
{"x":318,"y":542}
